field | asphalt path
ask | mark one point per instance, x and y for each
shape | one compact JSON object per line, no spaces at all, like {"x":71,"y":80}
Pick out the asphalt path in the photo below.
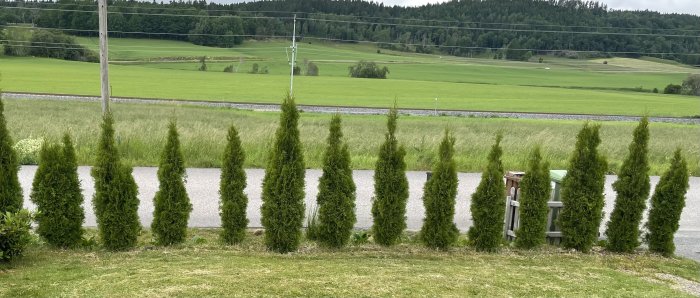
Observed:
{"x":203,"y":184}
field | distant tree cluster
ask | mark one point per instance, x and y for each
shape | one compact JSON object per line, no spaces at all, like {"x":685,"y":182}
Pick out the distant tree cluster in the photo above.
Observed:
{"x":46,"y":43}
{"x":366,"y":69}
{"x":493,"y":17}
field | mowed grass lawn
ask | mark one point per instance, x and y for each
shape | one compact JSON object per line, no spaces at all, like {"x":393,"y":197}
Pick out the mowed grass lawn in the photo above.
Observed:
{"x":56,"y":76}
{"x":141,"y":131}
{"x":204,"y":267}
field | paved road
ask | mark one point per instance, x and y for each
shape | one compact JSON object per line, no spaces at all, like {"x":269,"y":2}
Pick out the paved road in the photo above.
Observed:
{"x":203,"y":185}
{"x":348,"y":110}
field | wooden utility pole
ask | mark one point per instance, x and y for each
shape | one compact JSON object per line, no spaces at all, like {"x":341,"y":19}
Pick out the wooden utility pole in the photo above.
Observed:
{"x":104,"y":61}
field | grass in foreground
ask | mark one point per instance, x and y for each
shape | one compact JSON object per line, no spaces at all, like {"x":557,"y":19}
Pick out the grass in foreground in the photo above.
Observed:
{"x":141,"y":131}
{"x":204,"y":267}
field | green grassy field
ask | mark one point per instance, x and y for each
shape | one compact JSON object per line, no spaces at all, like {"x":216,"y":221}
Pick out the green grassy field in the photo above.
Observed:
{"x":204,"y":267}
{"x":557,"y":86}
{"x":141,"y":132}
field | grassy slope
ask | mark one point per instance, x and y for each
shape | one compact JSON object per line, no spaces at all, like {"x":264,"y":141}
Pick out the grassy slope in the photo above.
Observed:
{"x":203,"y":267}
{"x":141,"y":128}
{"x":416,"y":79}
{"x":55,"y":76}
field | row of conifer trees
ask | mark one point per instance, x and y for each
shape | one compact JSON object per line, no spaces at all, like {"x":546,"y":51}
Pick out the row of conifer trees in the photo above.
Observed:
{"x":56,"y":191}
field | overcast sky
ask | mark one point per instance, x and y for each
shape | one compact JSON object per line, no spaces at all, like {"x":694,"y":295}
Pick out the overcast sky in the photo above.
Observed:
{"x":669,"y":6}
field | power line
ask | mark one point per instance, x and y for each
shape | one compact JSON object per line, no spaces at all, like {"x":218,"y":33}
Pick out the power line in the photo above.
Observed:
{"x":153,"y":33}
{"x":404,"y":25}
{"x":386,"y":18}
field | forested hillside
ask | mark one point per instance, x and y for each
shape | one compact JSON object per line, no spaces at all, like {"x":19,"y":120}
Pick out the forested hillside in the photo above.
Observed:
{"x":511,"y":29}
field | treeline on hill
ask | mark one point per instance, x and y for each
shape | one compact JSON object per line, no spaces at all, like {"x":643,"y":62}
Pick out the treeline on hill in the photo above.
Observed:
{"x":502,"y":28}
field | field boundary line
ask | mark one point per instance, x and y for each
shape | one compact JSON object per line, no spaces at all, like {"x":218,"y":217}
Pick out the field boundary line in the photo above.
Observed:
{"x":352,"y":110}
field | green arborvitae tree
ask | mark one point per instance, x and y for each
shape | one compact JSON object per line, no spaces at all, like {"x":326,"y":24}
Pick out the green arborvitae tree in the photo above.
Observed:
{"x":172,"y":205}
{"x":439,"y":193}
{"x":283,"y":185}
{"x":632,"y":187}
{"x":390,"y":188}
{"x":233,"y":200}
{"x":10,"y":191}
{"x":336,"y":191}
{"x":488,"y":204}
{"x":57,"y":194}
{"x":535,"y":190}
{"x":667,"y":205}
{"x":116,"y":194}
{"x":582,"y":193}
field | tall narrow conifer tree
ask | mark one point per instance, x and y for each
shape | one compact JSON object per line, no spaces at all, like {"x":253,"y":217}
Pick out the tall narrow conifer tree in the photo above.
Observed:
{"x":439,"y":193}
{"x":488,"y":204}
{"x":283,"y":185}
{"x":390,"y":187}
{"x":632,"y":187}
{"x":172,"y":205}
{"x":233,"y":182}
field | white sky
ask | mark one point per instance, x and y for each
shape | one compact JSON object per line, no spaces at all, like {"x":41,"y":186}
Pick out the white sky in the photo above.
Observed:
{"x":667,"y":6}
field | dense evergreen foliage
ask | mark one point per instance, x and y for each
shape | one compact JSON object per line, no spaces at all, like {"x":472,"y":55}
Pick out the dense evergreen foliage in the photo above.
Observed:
{"x":172,"y":205}
{"x":667,"y":204}
{"x":582,"y":192}
{"x":57,"y":195}
{"x":336,"y":191}
{"x":368,"y":70}
{"x":390,"y":187}
{"x":10,"y":191}
{"x":488,"y":204}
{"x":460,"y":28}
{"x":632,"y":187}
{"x":115,"y":201}
{"x":439,"y":193}
{"x":535,"y":191}
{"x":234,"y":201}
{"x":283,"y":185}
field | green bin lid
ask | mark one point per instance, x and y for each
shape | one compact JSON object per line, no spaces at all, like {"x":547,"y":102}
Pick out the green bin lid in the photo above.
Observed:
{"x":557,"y":175}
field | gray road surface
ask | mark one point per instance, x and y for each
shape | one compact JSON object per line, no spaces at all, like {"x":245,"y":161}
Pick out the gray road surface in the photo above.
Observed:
{"x":203,"y":185}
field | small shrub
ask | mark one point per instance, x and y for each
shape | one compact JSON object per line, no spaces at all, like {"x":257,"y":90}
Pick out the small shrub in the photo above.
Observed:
{"x":11,"y":199}
{"x":14,"y":234}
{"x":655,"y":90}
{"x":311,"y":69}
{"x":390,"y":187}
{"x":439,"y":193}
{"x":360,"y":237}
{"x":57,"y":194}
{"x":667,"y":204}
{"x":488,"y":204}
{"x":254,"y":68}
{"x":28,"y":151}
{"x":233,"y":201}
{"x":264,"y":70}
{"x":535,"y":191}
{"x":228,"y":68}
{"x":203,"y":63}
{"x":673,"y":89}
{"x":365,"y":69}
{"x":172,"y":205}
{"x":582,"y":192}
{"x":283,"y":185}
{"x":296,"y":70}
{"x":313,"y":229}
{"x":632,"y":187}
{"x":336,"y":196}
{"x":691,"y":85}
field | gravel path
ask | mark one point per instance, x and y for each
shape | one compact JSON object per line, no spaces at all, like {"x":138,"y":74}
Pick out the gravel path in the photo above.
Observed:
{"x":203,"y":185}
{"x":350,"y":110}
